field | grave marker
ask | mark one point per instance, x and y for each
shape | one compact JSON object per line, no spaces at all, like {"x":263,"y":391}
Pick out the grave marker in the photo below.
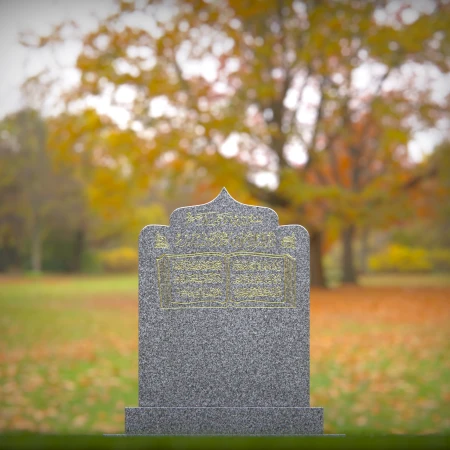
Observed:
{"x":224,"y":325}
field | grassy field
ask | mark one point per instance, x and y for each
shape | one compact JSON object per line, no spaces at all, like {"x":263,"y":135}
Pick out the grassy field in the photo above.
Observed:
{"x":380,"y":355}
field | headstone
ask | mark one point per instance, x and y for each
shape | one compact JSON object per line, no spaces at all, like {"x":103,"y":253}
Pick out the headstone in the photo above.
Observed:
{"x":224,"y":325}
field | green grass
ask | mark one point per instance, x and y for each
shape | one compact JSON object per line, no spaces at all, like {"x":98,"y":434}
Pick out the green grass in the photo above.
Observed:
{"x":55,"y":285}
{"x":32,"y":441}
{"x":68,"y":356}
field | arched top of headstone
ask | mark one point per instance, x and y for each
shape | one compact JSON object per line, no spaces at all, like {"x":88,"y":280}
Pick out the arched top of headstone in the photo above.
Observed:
{"x":225,"y":211}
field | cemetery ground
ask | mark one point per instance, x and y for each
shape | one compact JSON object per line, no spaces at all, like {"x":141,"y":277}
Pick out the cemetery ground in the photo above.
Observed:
{"x":380,"y":354}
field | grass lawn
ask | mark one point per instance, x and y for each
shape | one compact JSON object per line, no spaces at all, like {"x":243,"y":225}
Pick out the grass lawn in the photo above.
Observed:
{"x":380,"y":355}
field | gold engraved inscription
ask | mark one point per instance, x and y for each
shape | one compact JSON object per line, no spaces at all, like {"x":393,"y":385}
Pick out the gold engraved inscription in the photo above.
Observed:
{"x":161,"y":241}
{"x":273,"y":282}
{"x":205,"y":293}
{"x":216,"y":219}
{"x":183,"y":280}
{"x":288,"y":241}
{"x":189,"y":264}
{"x":257,"y":292}
{"x":249,"y":240}
{"x":201,"y":278}
{"x":251,"y":278}
{"x":252,"y":240}
{"x":216,"y":239}
{"x":258,"y":265}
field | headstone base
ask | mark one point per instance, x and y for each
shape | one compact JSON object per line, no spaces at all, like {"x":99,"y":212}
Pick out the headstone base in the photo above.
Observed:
{"x":208,"y":421}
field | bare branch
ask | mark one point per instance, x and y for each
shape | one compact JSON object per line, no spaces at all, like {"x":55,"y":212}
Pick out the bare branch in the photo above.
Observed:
{"x":415,"y":181}
{"x":293,"y":115}
{"x":269,"y":197}
{"x":183,"y":83}
{"x":311,"y":148}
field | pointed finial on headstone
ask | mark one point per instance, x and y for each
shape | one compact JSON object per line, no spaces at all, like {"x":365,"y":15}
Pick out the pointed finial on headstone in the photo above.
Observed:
{"x":224,"y":194}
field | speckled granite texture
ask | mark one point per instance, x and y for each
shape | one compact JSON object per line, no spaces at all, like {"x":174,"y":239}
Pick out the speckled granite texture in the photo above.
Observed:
{"x":224,"y":421}
{"x":224,"y":324}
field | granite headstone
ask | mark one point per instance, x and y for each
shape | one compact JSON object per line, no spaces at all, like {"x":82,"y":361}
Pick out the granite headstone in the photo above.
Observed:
{"x":224,"y":325}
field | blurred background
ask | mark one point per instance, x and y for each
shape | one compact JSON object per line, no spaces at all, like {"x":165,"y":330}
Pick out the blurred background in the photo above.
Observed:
{"x":333,"y":113}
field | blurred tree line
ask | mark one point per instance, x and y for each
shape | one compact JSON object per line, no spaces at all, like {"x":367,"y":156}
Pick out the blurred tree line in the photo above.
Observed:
{"x":321,"y":98}
{"x":55,"y":214}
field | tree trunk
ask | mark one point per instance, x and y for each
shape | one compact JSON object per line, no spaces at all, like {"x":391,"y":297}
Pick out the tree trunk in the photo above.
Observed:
{"x":348,"y":266}
{"x":36,"y":248}
{"x":317,"y":274}
{"x":9,"y":257}
{"x":78,"y":249}
{"x":364,"y":251}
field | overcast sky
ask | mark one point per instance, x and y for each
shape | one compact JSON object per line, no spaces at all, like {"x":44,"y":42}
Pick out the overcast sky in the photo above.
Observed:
{"x":39,"y":16}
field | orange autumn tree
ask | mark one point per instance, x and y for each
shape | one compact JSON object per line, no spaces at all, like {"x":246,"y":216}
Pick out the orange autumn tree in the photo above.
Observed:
{"x":431,"y":200}
{"x":282,"y":82}
{"x":365,"y":182}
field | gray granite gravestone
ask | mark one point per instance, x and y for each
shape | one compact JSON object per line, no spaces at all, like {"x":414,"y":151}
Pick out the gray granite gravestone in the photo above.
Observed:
{"x":224,"y":325}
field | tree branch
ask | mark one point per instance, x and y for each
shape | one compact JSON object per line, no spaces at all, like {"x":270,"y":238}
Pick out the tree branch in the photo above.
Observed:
{"x":293,"y":116}
{"x":311,"y":148}
{"x":270,"y":197}
{"x":416,"y":180}
{"x":355,"y":152}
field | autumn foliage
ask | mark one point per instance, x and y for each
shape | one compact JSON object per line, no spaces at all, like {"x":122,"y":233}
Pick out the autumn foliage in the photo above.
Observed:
{"x":68,"y":356}
{"x":320,"y":98}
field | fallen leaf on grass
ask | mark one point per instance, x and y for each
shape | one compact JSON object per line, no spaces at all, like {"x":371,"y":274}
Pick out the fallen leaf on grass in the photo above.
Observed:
{"x":79,"y":421}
